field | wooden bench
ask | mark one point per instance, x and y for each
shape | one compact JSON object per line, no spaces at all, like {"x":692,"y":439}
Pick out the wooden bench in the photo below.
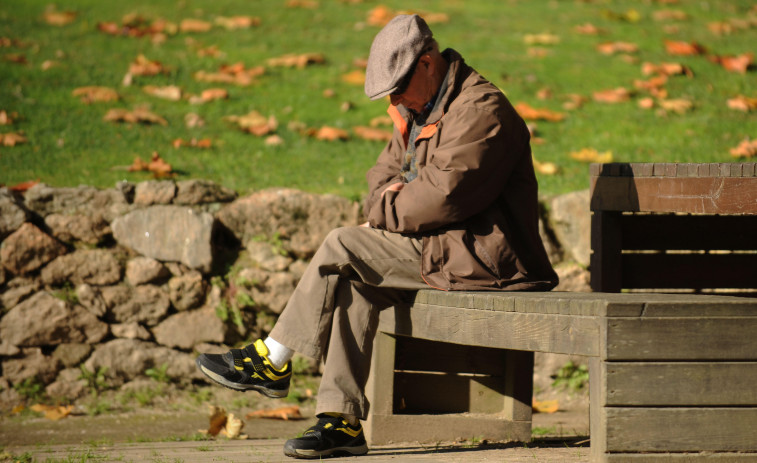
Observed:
{"x":672,"y":376}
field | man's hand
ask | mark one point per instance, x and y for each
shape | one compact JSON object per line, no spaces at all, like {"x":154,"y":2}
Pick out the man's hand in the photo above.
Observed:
{"x":393,"y":187}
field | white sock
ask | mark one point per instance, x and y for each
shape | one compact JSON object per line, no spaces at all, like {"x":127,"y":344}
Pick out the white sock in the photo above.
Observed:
{"x":278,"y":354}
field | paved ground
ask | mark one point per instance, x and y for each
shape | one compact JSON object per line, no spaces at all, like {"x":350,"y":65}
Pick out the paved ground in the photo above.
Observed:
{"x":120,"y":438}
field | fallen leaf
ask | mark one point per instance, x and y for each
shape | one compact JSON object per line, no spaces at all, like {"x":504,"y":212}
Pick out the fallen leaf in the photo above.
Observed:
{"x":274,"y":140}
{"x":630,"y":15}
{"x":545,"y":168}
{"x":740,"y":63}
{"x":545,"y":406}
{"x":611,"y":48}
{"x":356,"y":77}
{"x":169,"y":92}
{"x":7,"y":119}
{"x":95,"y":94}
{"x":746,"y":149}
{"x":218,"y":420}
{"x":544,"y":93}
{"x":59,"y":18}
{"x":327,"y":133}
{"x":678,"y":105}
{"x":381,"y":121}
{"x":282,"y":413}
{"x":588,"y":29}
{"x":49,"y":64}
{"x":192,"y":120}
{"x":298,"y":61}
{"x":158,"y":166}
{"x":591,"y":155}
{"x":380,"y":16}
{"x":372,"y":134}
{"x":194,"y":25}
{"x":18,"y":409}
{"x":137,"y":115}
{"x":236,"y":74}
{"x":211,"y":51}
{"x":12,"y":139}
{"x":575,"y":101}
{"x":53,"y":412}
{"x":646,"y":103}
{"x":742,"y":103}
{"x":676,"y":47}
{"x":254,"y":123}
{"x":541,"y":39}
{"x":309,"y":4}
{"x":204,"y":143}
{"x":233,"y":428}
{"x":666,"y":69}
{"x":142,"y":66}
{"x":138,"y":165}
{"x":670,"y":15}
{"x":237,"y":22}
{"x":21,"y":187}
{"x":615,"y":95}
{"x":538,"y":52}
{"x":15,"y":58}
{"x":211,"y":94}
{"x":533,"y":114}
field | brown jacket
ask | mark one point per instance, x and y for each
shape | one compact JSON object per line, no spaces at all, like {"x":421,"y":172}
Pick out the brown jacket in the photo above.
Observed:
{"x":474,"y":202}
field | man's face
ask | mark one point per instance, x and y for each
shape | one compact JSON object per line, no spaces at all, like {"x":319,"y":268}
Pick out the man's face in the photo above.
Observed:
{"x":420,"y":89}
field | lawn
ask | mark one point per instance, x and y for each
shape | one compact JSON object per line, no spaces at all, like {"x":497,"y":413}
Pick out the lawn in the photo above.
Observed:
{"x":545,"y":54}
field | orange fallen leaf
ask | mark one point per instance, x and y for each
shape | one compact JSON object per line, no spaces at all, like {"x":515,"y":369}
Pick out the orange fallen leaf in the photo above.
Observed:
{"x":372,"y":134}
{"x":545,"y":406}
{"x":138,"y":165}
{"x":194,"y":143}
{"x":588,"y":29}
{"x":224,"y":424}
{"x":678,"y":105}
{"x":168,"y":92}
{"x":327,"y":133}
{"x":356,"y":77}
{"x":95,"y":94}
{"x":59,"y":18}
{"x":282,"y":413}
{"x":545,"y":168}
{"x":646,"y":103}
{"x":12,"y":139}
{"x":615,"y":95}
{"x":233,"y":428}
{"x":137,"y":115}
{"x":142,"y":66}
{"x":575,"y":101}
{"x":237,"y":22}
{"x":211,"y":94}
{"x":746,"y":149}
{"x":591,"y":155}
{"x":740,"y":63}
{"x":380,"y":16}
{"x":7,"y":119}
{"x":158,"y":166}
{"x":194,"y":25}
{"x":381,"y":121}
{"x":298,"y":61}
{"x":532,"y":114}
{"x":611,"y":48}
{"x":677,"y":47}
{"x":742,"y":103}
{"x":666,"y":69}
{"x":53,"y":412}
{"x":541,"y":39}
{"x":254,"y":123}
{"x":236,"y":74}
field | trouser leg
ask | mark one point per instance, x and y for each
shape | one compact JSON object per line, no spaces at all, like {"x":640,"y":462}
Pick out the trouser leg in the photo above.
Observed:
{"x":333,"y":311}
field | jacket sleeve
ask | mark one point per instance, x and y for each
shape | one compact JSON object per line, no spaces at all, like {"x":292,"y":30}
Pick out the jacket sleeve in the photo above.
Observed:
{"x":465,"y":171}
{"x":385,"y":172}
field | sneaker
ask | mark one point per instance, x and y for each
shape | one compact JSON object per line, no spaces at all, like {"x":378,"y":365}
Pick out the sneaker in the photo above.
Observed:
{"x":330,"y":436}
{"x":247,"y":369}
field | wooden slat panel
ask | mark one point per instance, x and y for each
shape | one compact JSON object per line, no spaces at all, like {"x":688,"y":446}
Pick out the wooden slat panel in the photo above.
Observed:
{"x":502,"y":330}
{"x":606,"y":245}
{"x":696,"y":271}
{"x":651,"y":338}
{"x":681,"y":429}
{"x":694,"y":232}
{"x":681,"y":384}
{"x":708,"y":195}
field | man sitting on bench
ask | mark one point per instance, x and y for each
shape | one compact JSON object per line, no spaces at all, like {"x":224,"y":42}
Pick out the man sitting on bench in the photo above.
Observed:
{"x":452,"y":205}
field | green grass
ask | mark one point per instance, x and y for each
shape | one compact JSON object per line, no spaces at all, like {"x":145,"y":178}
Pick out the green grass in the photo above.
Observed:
{"x":69,"y":143}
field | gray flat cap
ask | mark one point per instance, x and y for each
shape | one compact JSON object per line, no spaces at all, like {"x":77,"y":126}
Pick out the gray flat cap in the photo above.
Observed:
{"x":393,"y":52}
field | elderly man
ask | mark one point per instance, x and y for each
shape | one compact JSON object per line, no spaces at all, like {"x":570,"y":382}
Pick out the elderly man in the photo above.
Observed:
{"x":452,"y":205}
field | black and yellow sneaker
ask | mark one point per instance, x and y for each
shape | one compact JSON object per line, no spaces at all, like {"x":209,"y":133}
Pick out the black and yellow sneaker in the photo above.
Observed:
{"x":247,"y":369}
{"x":332,"y":435}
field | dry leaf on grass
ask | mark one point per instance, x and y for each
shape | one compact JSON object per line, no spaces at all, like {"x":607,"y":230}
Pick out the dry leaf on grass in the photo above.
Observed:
{"x":372,"y":134}
{"x":545,"y":168}
{"x":204,"y":143}
{"x":541,"y":39}
{"x":611,"y":48}
{"x":59,"y":18}
{"x":588,"y":29}
{"x":224,"y":424}
{"x":157,"y":165}
{"x":742,"y":103}
{"x":194,"y":25}
{"x":254,"y":123}
{"x":666,"y":69}
{"x":192,"y":120}
{"x":670,"y":15}
{"x":676,"y":105}
{"x":356,"y":77}
{"x":327,"y":133}
{"x":575,"y":101}
{"x":532,"y":114}
{"x":298,"y":61}
{"x":53,"y":412}
{"x":138,"y":115}
{"x":545,"y":406}
{"x":740,"y":63}
{"x":210,"y":94}
{"x":12,"y":139}
{"x":142,"y":66}
{"x":95,"y":94}
{"x":7,"y":119}
{"x":282,"y":413}
{"x":168,"y":92}
{"x":237,"y":22}
{"x":614,"y":95}
{"x":591,"y":155}
{"x":677,"y":47}
{"x":236,"y":74}
{"x":381,"y":15}
{"x":21,"y":187}
{"x":381,"y":121}
{"x":746,"y":149}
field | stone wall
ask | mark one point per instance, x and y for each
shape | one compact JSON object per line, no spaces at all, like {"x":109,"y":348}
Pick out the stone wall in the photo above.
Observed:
{"x":144,"y":275}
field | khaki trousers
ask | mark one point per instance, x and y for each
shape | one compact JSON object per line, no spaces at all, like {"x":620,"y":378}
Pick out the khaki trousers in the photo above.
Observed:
{"x":333,"y":312}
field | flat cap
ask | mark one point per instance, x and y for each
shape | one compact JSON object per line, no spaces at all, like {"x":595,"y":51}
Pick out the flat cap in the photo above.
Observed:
{"x":393,"y":52}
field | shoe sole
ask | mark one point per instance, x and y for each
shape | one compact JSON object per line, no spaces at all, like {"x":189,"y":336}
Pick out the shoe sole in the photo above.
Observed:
{"x":313,"y":454}
{"x":272,"y":393}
